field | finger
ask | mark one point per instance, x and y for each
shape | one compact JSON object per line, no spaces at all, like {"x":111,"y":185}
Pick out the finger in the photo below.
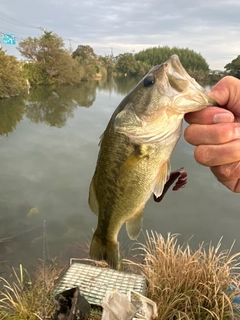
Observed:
{"x":212,"y":134}
{"x":227,"y":172}
{"x":216,"y":155}
{"x":226,"y":92}
{"x":228,"y":175}
{"x":234,"y":185}
{"x":209,"y":116}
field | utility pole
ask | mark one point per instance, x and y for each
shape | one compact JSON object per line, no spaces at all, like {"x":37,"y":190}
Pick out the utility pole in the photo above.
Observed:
{"x":70,"y":46}
{"x":111,"y":51}
{"x":42,"y":30}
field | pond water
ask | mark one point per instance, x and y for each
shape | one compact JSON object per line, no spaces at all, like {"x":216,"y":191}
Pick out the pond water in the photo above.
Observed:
{"x":48,"y":152}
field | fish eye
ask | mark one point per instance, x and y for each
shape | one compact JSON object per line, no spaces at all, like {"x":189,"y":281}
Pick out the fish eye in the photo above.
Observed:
{"x":148,"y":81}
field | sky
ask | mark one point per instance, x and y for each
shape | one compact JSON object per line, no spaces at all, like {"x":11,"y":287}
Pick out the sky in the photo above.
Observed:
{"x":209,"y":27}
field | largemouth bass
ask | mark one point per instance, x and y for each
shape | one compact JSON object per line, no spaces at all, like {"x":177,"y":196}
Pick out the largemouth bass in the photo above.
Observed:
{"x":135,"y":149}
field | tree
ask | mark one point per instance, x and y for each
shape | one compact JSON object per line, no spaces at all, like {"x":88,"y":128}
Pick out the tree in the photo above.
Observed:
{"x":29,"y":48}
{"x":12,"y":82}
{"x":84,"y":53}
{"x":193,"y":62}
{"x":126,"y":64}
{"x":88,"y":61}
{"x":50,"y":62}
{"x":42,"y":48}
{"x":234,"y":67}
{"x":107,"y":62}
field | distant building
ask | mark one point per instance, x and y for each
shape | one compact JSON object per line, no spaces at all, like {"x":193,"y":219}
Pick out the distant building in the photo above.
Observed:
{"x":217,"y":72}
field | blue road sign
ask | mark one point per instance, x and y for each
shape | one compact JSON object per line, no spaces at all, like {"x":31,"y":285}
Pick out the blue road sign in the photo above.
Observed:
{"x":8,"y":39}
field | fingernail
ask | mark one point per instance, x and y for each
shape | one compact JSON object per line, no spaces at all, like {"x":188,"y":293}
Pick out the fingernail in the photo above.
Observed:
{"x":223,"y":117}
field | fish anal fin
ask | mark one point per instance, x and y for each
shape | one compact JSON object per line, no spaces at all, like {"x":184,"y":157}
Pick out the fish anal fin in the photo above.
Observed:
{"x":161,"y":178}
{"x":92,"y":198}
{"x":139,"y":154}
{"x":134,"y":225}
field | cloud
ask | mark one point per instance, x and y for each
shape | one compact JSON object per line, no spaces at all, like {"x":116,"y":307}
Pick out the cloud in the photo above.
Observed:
{"x":209,"y":27}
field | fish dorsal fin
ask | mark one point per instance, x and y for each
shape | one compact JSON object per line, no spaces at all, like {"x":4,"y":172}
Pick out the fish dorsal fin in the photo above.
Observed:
{"x":139,"y":154}
{"x":101,"y":139}
{"x":134,"y":225}
{"x":92,"y":198}
{"x":161,"y":178}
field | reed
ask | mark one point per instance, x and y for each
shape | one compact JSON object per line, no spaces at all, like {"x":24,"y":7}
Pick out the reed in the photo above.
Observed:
{"x":28,"y":297}
{"x":189,"y":284}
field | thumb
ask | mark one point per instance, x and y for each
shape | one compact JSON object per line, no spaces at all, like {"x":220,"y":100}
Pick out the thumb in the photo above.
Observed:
{"x":227,"y":93}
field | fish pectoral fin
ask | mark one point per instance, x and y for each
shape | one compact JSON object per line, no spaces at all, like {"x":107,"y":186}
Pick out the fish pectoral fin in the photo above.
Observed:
{"x":134,"y":225}
{"x":92,"y":198}
{"x":139,"y":154}
{"x":161,"y":178}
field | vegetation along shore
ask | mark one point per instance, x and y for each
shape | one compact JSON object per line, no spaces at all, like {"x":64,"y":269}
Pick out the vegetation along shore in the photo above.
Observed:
{"x":185,"y":284}
{"x":48,"y":62}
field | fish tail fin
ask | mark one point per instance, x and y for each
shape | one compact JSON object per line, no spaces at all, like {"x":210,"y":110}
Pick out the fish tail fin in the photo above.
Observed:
{"x":104,"y":250}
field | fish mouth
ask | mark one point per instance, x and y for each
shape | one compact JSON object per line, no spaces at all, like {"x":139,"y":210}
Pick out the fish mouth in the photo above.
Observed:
{"x":181,"y":82}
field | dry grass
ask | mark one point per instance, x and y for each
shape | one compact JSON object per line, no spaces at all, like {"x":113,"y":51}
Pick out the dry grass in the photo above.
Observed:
{"x":95,"y":314}
{"x":185,"y":284}
{"x":23,"y":298}
{"x":190,"y":285}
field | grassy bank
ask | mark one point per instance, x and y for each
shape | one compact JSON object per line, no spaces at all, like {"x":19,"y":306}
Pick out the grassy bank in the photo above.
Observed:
{"x":189,"y":284}
{"x":185,"y":284}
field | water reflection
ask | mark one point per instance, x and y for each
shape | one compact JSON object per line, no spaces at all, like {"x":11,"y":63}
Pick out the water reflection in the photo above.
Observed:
{"x":84,"y":94}
{"x":18,"y":223}
{"x":55,"y":106}
{"x":47,"y":162}
{"x":119,"y":85}
{"x":11,"y":113}
{"x":31,"y":189}
{"x":49,"y":105}
{"x":124,"y":83}
{"x":107,"y":86}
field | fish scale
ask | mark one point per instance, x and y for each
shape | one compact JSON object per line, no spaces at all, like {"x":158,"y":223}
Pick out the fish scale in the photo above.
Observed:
{"x":135,"y":150}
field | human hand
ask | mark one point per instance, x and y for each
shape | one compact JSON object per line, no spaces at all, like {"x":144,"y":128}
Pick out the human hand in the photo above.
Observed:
{"x":216,"y":133}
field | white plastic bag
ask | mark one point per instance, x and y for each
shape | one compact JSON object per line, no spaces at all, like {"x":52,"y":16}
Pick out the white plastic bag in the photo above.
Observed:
{"x":116,"y":306}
